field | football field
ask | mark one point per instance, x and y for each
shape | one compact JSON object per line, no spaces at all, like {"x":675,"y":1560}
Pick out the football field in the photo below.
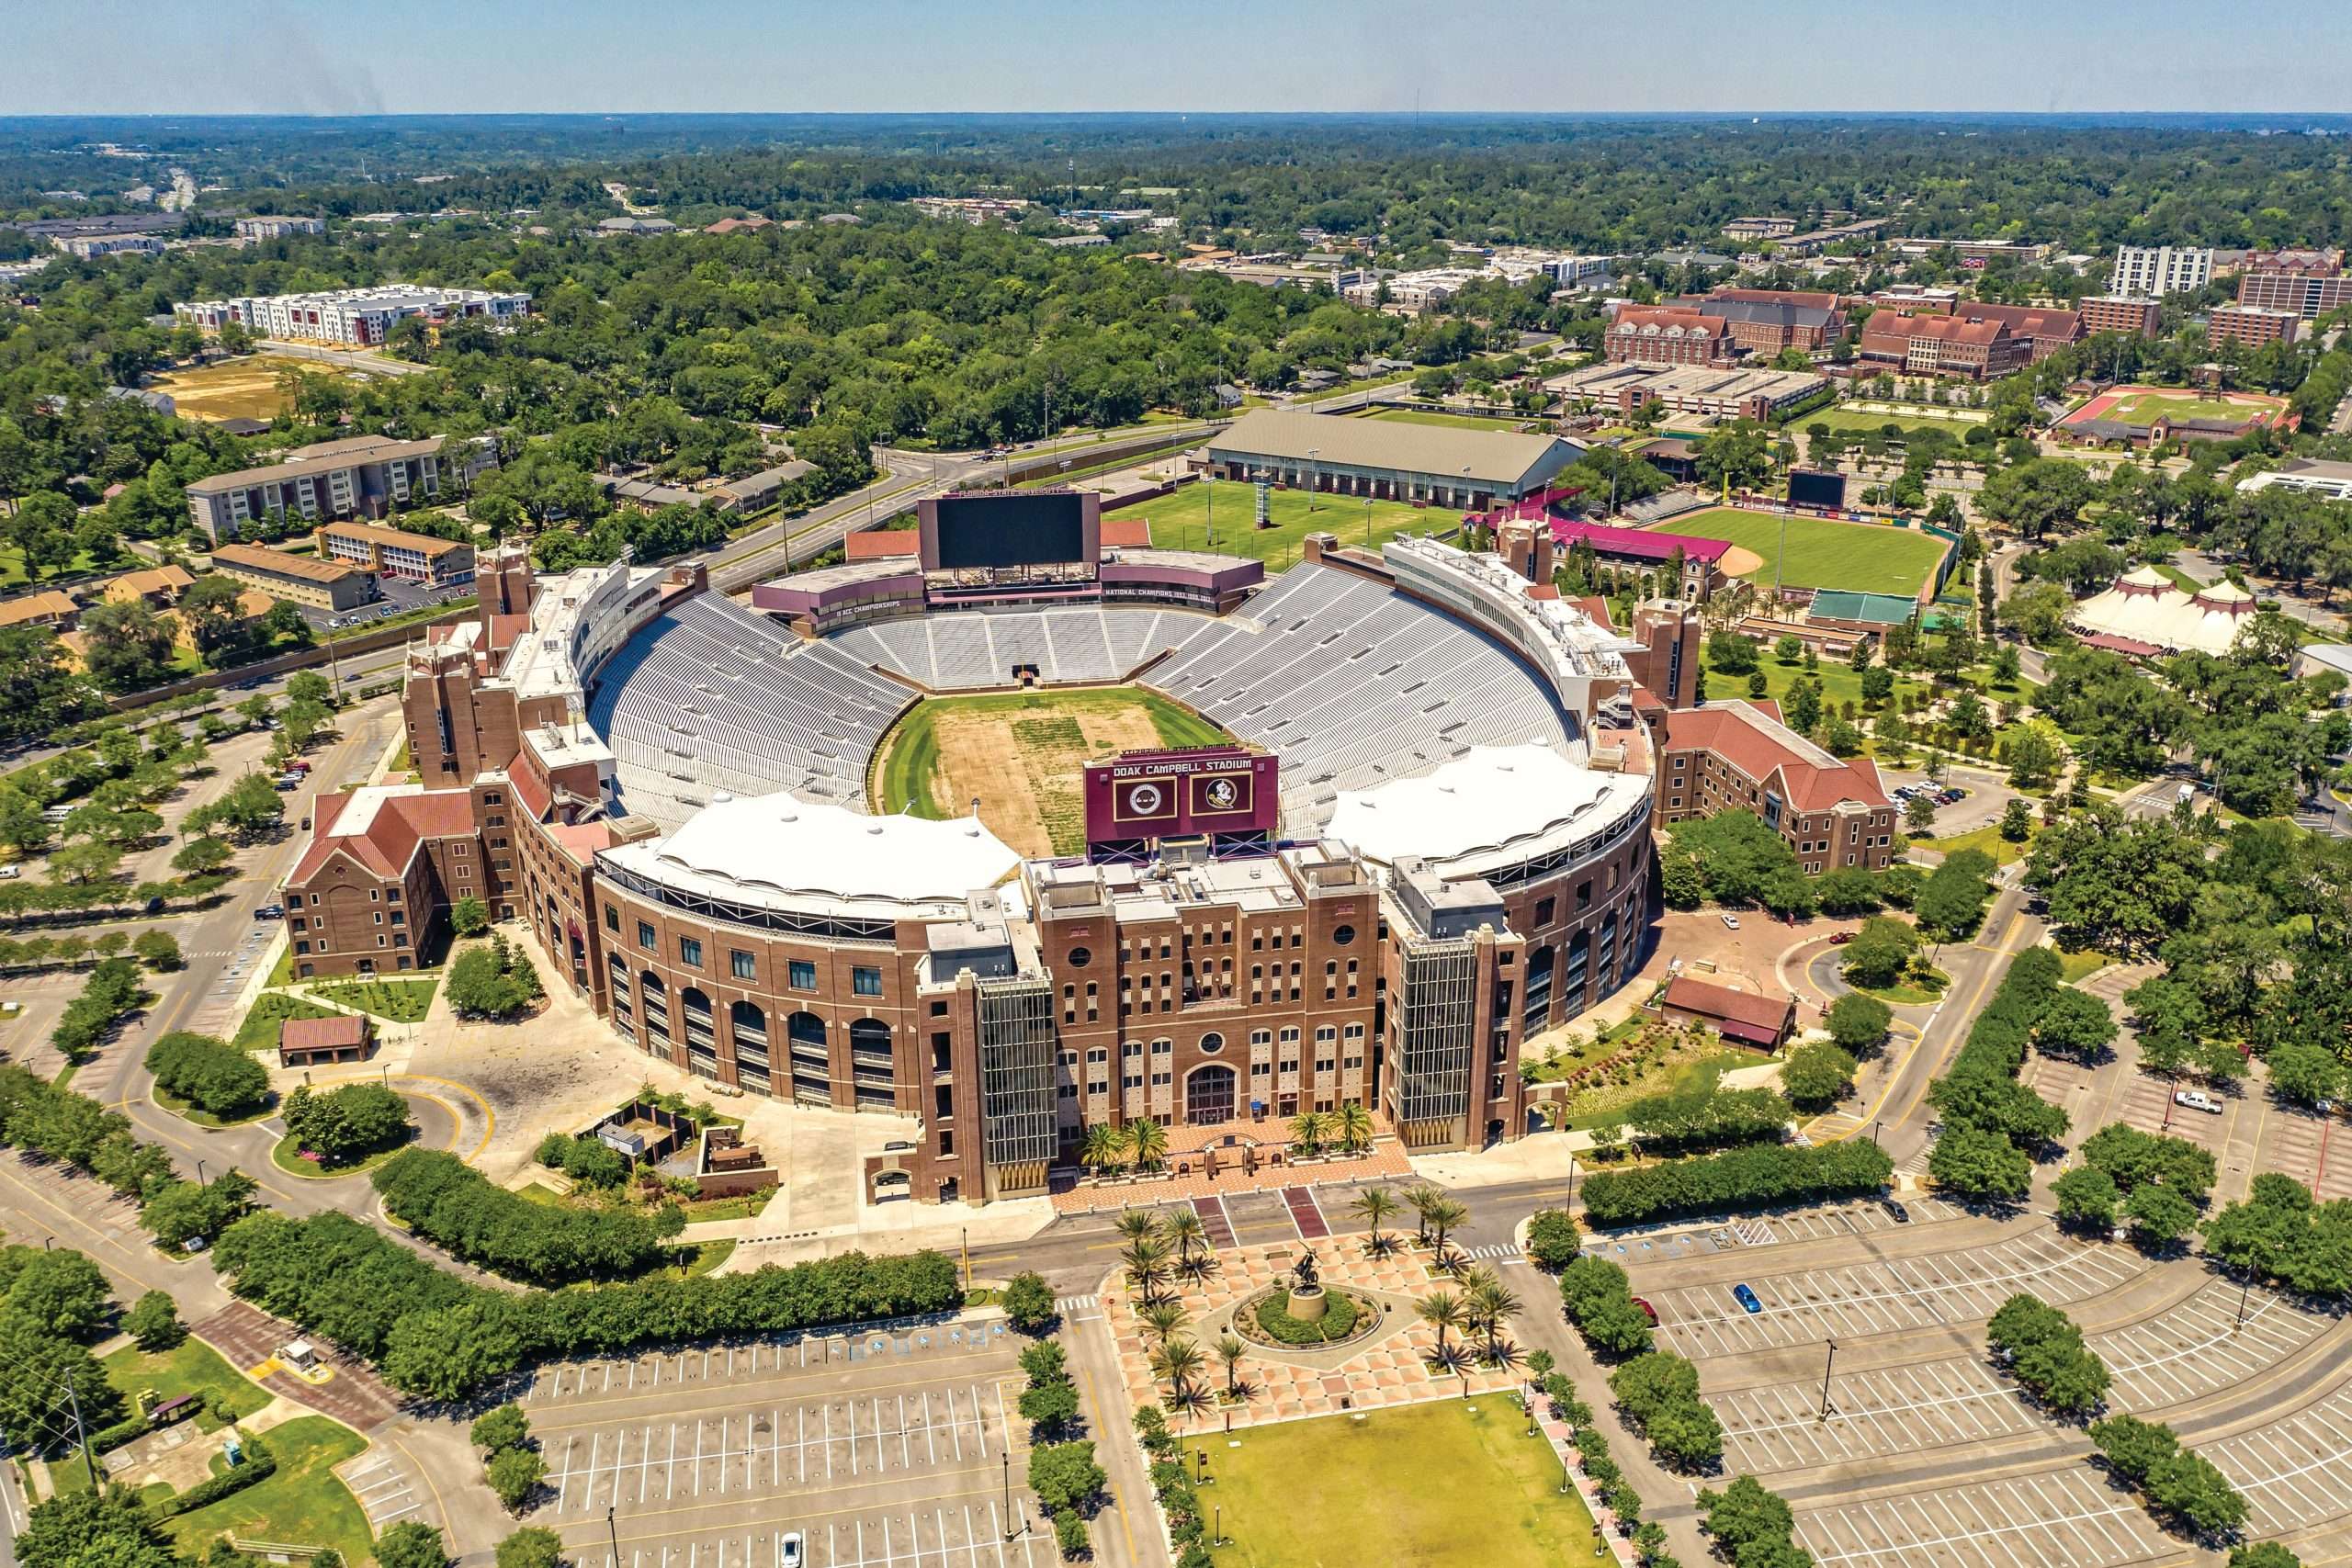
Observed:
{"x":1867,"y":556}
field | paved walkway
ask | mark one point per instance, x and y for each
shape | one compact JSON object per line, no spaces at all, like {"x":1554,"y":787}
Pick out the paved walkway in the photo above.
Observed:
{"x":1385,"y":1159}
{"x":1390,"y":1367}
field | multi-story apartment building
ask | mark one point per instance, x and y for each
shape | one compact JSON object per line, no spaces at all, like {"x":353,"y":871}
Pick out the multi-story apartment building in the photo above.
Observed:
{"x":361,"y":476}
{"x":442,"y":563}
{"x":1667,"y":336}
{"x":2117,"y":314}
{"x":2308,"y":292}
{"x":1738,"y":756}
{"x":90,"y":248}
{"x":363,"y":317}
{"x":275,"y":228}
{"x":2251,"y":326}
{"x":306,"y":580}
{"x":2150,"y":272}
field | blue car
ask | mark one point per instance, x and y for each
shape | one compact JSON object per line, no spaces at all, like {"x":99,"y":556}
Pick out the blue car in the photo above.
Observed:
{"x":1746,"y":1298}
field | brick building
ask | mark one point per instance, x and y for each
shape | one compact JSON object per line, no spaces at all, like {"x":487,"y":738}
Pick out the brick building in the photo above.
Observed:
{"x":2309,"y":291}
{"x":2121,"y":313}
{"x":1668,"y":335}
{"x":1765,"y":320}
{"x":1943,"y":346}
{"x":1738,"y":756}
{"x":2251,"y":326}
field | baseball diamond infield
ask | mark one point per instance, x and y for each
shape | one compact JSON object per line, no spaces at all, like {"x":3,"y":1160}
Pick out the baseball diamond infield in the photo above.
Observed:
{"x":1022,"y":753}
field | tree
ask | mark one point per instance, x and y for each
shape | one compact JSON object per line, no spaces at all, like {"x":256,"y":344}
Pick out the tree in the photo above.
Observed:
{"x":153,"y":1321}
{"x":126,"y":645}
{"x":160,"y":950}
{"x":1978,"y":1163}
{"x":1029,"y":1303}
{"x":1553,"y":1240}
{"x":1372,"y":1206}
{"x":514,"y":1474}
{"x":356,"y":1118}
{"x":199,"y":855}
{"x":1848,"y":890}
{"x":2016,"y":821}
{"x":534,"y":1546}
{"x":2263,"y":1554}
{"x":504,"y":1428}
{"x":2159,"y":1216}
{"x":108,"y":1528}
{"x":62,"y":1290}
{"x":1065,"y":1476}
{"x":1788,"y":648}
{"x":1919,"y":814}
{"x":481,"y":986}
{"x":1879,"y":951}
{"x":469,"y":916}
{"x":2304,"y":1073}
{"x":1817,"y":1075}
{"x":1859,"y":1023}
{"x":2086,"y":1199}
{"x":1744,"y":1512}
{"x":2075,"y":1024}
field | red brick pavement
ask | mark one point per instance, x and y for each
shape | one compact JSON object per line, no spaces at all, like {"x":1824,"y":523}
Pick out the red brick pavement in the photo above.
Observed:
{"x":248,"y":1338}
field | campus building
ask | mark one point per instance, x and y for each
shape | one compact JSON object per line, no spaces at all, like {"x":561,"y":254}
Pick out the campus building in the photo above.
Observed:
{"x":273,"y":228}
{"x":1943,"y":346}
{"x":393,"y":552}
{"x":1667,"y":336}
{"x":2118,"y":313}
{"x":1766,"y":322}
{"x":1440,"y":465}
{"x":360,"y":316}
{"x":306,"y":580}
{"x":2309,"y":291}
{"x":2251,"y":326}
{"x":1739,"y":756}
{"x":361,"y":476}
{"x":2150,"y":272}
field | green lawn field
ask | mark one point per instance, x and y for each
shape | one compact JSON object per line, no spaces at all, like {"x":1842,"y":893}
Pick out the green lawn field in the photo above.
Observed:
{"x":396,"y":1001}
{"x":259,"y":1030}
{"x":2145,"y":407}
{"x":1847,"y":419}
{"x":1867,"y":558}
{"x":303,"y":1503}
{"x":1181,"y":520}
{"x":1345,"y":1492}
{"x":192,"y":1367}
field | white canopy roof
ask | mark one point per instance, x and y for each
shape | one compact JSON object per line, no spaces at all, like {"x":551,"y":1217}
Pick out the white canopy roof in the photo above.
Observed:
{"x":783,"y":849}
{"x":2146,"y":607}
{"x":1492,"y":808}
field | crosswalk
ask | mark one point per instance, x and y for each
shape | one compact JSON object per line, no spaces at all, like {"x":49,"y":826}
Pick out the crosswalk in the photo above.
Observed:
{"x":1501,"y":1252}
{"x":1079,"y":1309}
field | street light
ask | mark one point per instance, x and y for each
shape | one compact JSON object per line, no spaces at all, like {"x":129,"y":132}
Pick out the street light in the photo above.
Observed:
{"x":2243,"y":1295}
{"x":612,"y":1533}
{"x":199,"y":1173}
{"x":1312,"y":453}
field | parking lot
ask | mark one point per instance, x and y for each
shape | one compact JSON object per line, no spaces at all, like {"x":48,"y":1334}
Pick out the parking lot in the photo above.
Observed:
{"x":1820,"y":1222}
{"x":897,"y":1446}
{"x":2315,"y":1150}
{"x":2068,"y":1517}
{"x":2201,"y":1348}
{"x":2296,"y":1472}
{"x":1889,"y":1297}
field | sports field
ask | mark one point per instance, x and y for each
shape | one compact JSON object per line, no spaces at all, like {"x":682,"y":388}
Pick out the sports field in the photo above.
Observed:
{"x":1022,"y":752}
{"x":251,"y":387}
{"x":1867,"y":556}
{"x":1181,"y":520}
{"x":1345,"y":1492}
{"x":2142,"y":406}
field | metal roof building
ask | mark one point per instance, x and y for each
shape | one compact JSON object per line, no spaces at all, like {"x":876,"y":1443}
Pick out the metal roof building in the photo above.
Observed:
{"x":1391,"y":461}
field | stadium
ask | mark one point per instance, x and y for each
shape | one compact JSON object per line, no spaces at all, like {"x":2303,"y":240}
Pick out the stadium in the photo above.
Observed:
{"x":1019,"y":833}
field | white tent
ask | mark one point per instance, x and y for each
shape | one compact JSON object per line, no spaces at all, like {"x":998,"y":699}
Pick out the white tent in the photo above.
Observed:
{"x":2146,"y":609}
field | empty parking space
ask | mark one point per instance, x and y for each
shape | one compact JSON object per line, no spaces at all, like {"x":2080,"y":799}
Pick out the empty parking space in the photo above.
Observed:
{"x":1889,"y":1297}
{"x":1820,"y":1222}
{"x":2064,"y":1518}
{"x":2202,"y":1346}
{"x":2296,"y":1472}
{"x":967,"y":1533}
{"x":1883,"y":1411}
{"x":753,"y":1360}
{"x":2148,"y":1104}
{"x":2314,"y":1150}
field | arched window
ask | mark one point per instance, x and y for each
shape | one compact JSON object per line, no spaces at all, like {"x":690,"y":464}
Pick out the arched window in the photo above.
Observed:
{"x":700,"y":1035}
{"x":656,"y":996}
{"x":750,"y":1027}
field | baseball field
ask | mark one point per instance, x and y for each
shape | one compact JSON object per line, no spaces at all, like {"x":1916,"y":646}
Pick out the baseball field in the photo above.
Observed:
{"x":1866,"y":557}
{"x":1022,"y":753}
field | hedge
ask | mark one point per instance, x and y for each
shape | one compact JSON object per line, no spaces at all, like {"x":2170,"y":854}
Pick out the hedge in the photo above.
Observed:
{"x":433,"y":1334}
{"x":259,"y":1466}
{"x":1752,"y":1178}
{"x":446,"y":1201}
{"x":1339,"y":1320}
{"x":1980,"y":1092}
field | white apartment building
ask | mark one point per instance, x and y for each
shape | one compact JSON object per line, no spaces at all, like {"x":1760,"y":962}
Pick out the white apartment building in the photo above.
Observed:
{"x":89,"y":247}
{"x":361,"y":316}
{"x":2150,"y":272}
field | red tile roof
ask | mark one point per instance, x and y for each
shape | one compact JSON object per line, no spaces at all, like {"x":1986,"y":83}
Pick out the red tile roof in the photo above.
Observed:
{"x":1944,"y":329}
{"x":1759,"y":745}
{"x":322,"y":1033}
{"x":1743,"y":1014}
{"x":401,"y":823}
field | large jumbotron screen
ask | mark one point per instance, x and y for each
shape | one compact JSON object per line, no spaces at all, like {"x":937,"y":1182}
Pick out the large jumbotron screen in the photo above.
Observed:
{"x":1807,"y":488}
{"x":1170,"y":795}
{"x":1010,"y":528}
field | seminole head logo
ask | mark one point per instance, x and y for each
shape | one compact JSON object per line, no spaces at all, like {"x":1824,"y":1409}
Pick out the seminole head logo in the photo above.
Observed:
{"x":1222,"y":795}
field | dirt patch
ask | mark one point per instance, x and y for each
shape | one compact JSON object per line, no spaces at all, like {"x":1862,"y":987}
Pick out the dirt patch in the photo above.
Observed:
{"x":239,"y":389}
{"x":1026,"y":769}
{"x":1739,"y":561}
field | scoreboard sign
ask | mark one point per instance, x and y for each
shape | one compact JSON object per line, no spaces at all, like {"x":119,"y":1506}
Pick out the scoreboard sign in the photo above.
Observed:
{"x":1170,"y":795}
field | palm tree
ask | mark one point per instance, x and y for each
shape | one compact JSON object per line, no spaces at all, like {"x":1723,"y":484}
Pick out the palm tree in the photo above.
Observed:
{"x":1309,"y":1130}
{"x":1146,"y":1265}
{"x":1181,"y":1228}
{"x":1372,"y":1206}
{"x":1106,"y":1148}
{"x":1423,"y":1200}
{"x":1442,"y":1216}
{"x":1442,"y":1309}
{"x":1490,"y":1301}
{"x":1135,"y":1224}
{"x":1148,"y":1142}
{"x":1353,"y":1124}
{"x":1163,"y":1318}
{"x":1230,"y":1351}
{"x":1177,"y":1362}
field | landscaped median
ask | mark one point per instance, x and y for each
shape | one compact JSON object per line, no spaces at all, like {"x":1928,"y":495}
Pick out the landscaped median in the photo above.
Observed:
{"x":1760,"y":1176}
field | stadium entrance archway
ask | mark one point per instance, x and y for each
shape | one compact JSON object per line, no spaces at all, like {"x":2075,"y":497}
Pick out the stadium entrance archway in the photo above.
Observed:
{"x":1208,"y":1096}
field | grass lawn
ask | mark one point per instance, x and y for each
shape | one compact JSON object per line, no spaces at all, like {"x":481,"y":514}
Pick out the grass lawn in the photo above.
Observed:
{"x":2145,"y":407}
{"x":723,"y":1209}
{"x":396,"y":1001}
{"x":288,"y":1156}
{"x":1455,"y":421}
{"x":1907,"y":992}
{"x":1986,"y":839}
{"x":194,"y":1367}
{"x":303,"y":1503}
{"x":1181,"y":520}
{"x":2076,"y":967}
{"x":1849,"y":419}
{"x":1864,"y":556}
{"x":12,"y":566}
{"x":1356,"y":1489}
{"x":2181,"y":579}
{"x":259,"y":1032}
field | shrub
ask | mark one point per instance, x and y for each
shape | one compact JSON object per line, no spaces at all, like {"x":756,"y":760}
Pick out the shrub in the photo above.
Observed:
{"x":1029,"y":1303}
{"x":447,"y":1200}
{"x":345,"y":1124}
{"x":258,"y":1467}
{"x":154,"y":1322}
{"x":514,"y":1474}
{"x":1553,"y":1239}
{"x":1339,"y":1320}
{"x":533,"y":1546}
{"x":1594,"y":1295}
{"x":1757,"y":1177}
{"x":504,"y":1428}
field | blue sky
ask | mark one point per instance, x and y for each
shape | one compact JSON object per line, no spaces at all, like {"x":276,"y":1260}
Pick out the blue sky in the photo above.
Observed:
{"x":1562,"y":56}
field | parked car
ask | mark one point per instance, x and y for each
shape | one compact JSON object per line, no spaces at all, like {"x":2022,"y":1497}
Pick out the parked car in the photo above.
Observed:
{"x":55,"y":813}
{"x":790,"y":1549}
{"x":1895,"y":1211}
{"x":306,"y":824}
{"x":270,"y":912}
{"x":1731,"y":922}
{"x":1647,"y":1311}
{"x":10,"y":873}
{"x":1746,"y":1298}
{"x":2196,"y":1100}
{"x":1839,"y":939}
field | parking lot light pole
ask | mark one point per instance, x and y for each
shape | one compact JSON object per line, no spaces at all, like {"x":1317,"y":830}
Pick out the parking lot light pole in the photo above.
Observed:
{"x":1006,"y":1454}
{"x":612,"y":1532}
{"x":1875,"y":1131}
{"x":2243,"y":1295}
{"x":1826,"y":1368}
